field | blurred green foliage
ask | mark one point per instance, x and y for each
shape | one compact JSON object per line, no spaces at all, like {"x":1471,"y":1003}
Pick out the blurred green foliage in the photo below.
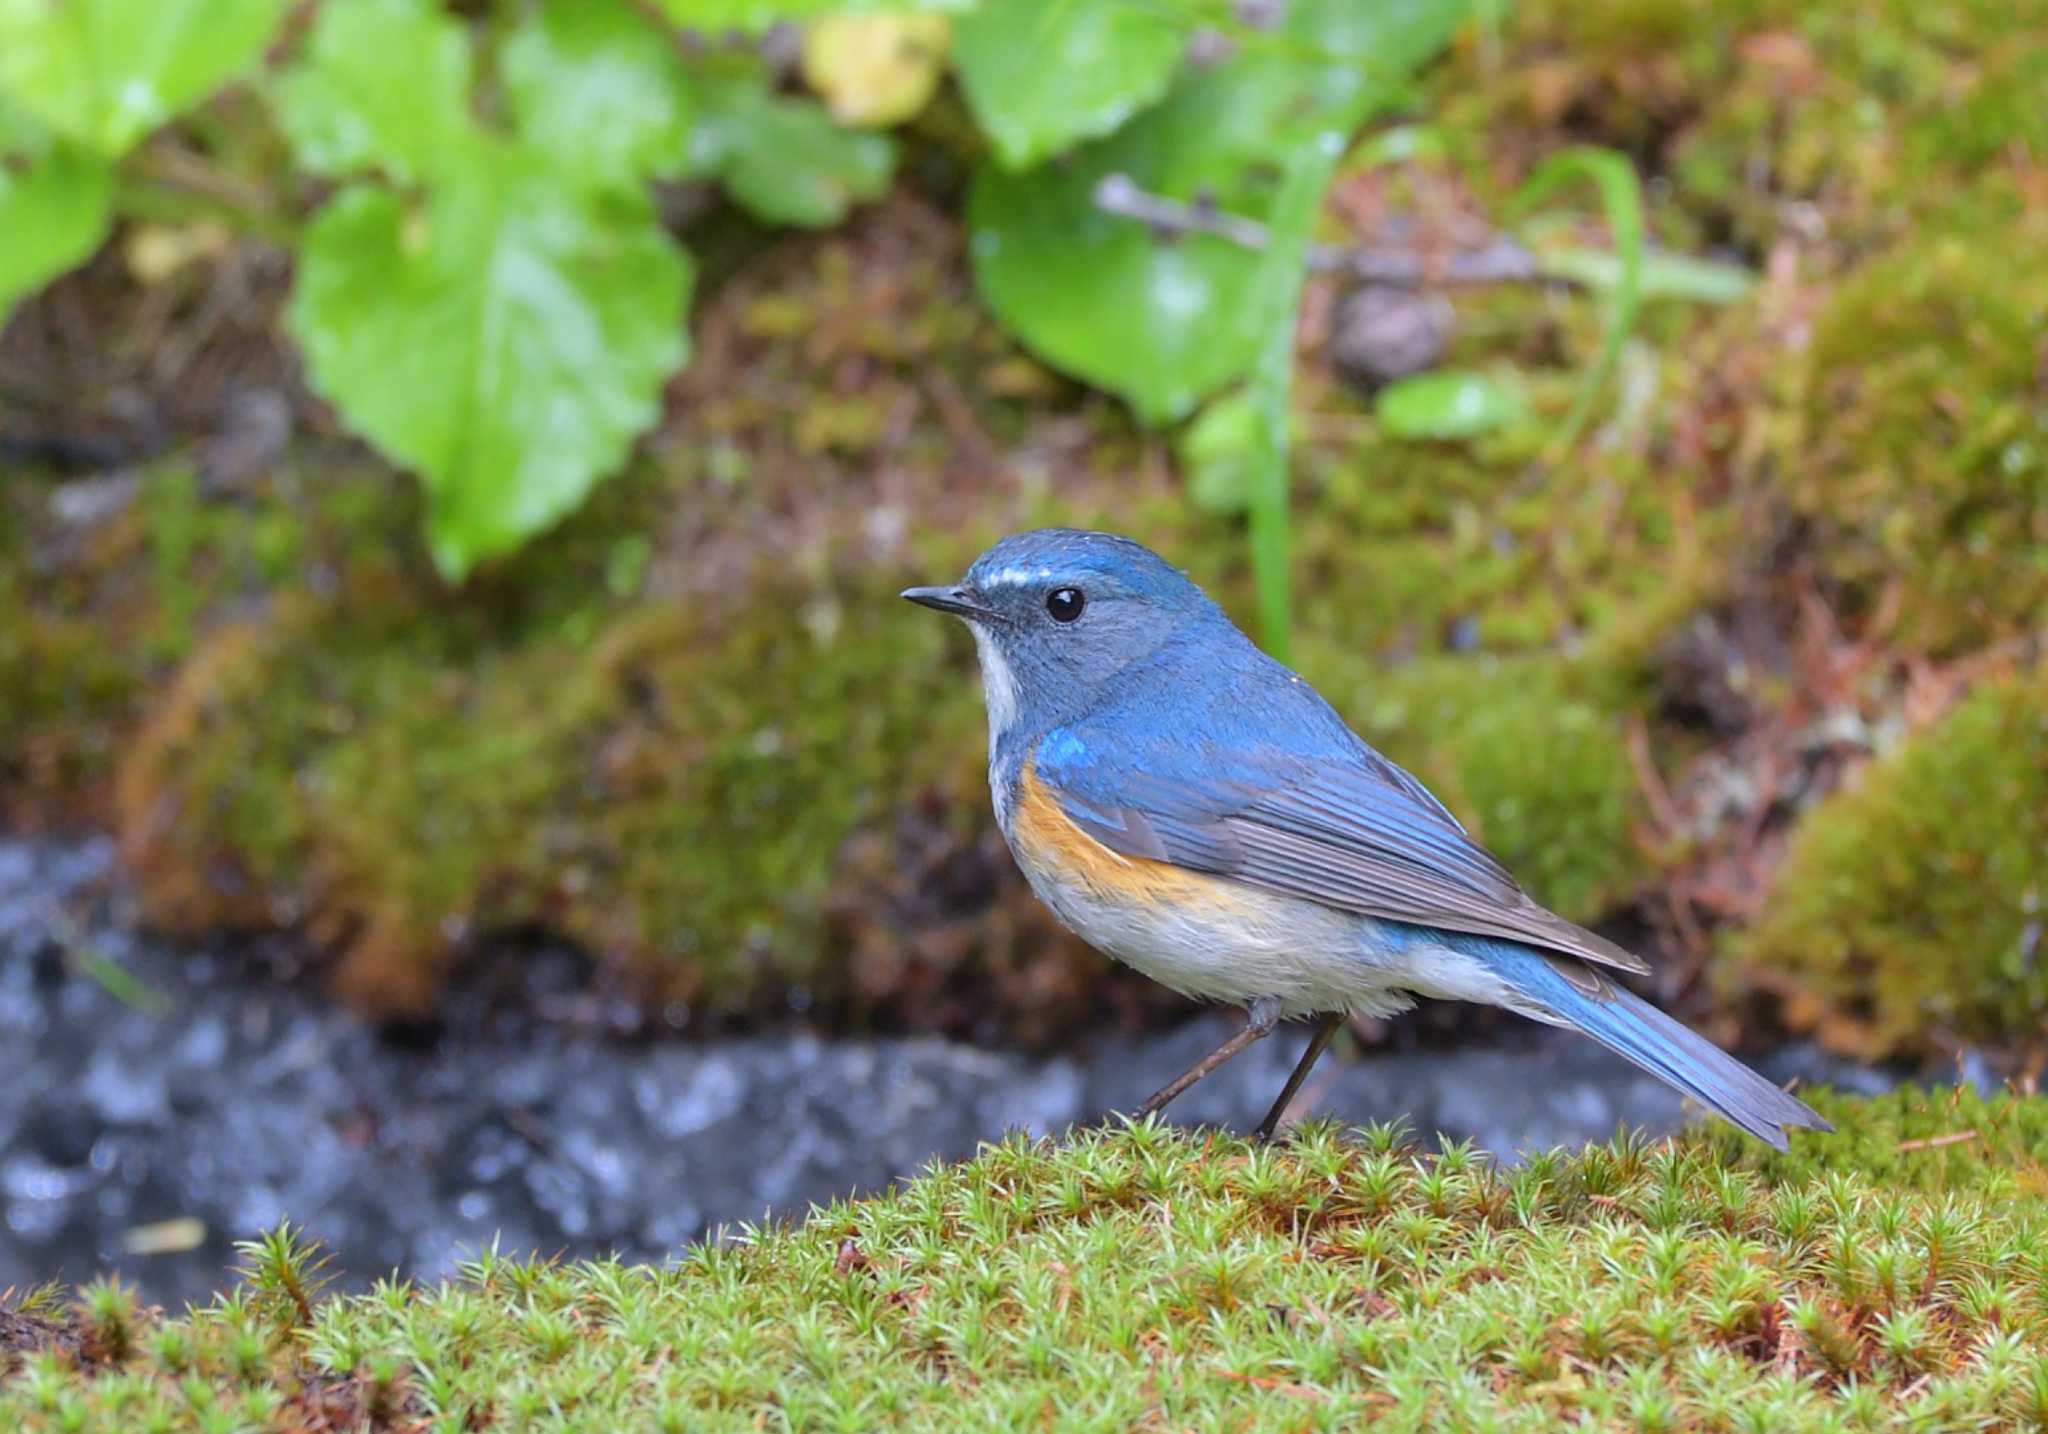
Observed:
{"x":492,"y":300}
{"x":1164,"y":319}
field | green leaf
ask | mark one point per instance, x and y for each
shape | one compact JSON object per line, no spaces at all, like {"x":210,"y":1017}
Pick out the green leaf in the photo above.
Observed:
{"x":1215,"y":454}
{"x":1166,"y":320}
{"x":507,"y":343}
{"x":1218,"y":453}
{"x":716,"y":17}
{"x":54,"y":212}
{"x":783,"y":159}
{"x":1447,"y":403}
{"x":596,"y":84}
{"x":383,"y":84}
{"x":106,"y":72}
{"x":1042,"y":74}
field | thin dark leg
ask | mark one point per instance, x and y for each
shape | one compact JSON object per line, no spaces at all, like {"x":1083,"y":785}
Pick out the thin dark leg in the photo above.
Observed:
{"x":1262,"y":1015}
{"x":1317,"y":1044}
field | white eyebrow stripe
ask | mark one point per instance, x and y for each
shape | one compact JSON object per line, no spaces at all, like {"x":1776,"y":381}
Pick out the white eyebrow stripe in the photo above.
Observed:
{"x":1016,"y":577}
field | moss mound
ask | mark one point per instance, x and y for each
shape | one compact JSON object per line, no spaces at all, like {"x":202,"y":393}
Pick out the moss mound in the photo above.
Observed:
{"x":1530,"y":751}
{"x":1153,"y":1277}
{"x":623,"y":733}
{"x":1909,"y":908}
{"x":672,"y":793}
{"x":695,"y":731}
{"x":1926,"y":415}
{"x":1872,"y":113}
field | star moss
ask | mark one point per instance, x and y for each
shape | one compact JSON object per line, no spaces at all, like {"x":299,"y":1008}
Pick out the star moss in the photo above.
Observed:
{"x":1894,"y":1276}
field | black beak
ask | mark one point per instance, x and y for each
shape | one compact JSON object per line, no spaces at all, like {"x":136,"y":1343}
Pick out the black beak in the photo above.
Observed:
{"x":957,"y":600}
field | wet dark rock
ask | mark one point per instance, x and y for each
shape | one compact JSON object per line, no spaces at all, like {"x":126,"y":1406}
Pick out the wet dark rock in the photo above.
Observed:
{"x":1380,"y":332}
{"x":236,"y":1103}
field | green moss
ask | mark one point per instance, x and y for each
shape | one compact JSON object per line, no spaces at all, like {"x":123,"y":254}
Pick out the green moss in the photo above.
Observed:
{"x":1945,"y":1139}
{"x":67,"y":694}
{"x":1871,"y":115}
{"x":1911,"y":903}
{"x":673,"y":789}
{"x":1425,"y":548}
{"x":1926,"y":443}
{"x":66,"y":691}
{"x":1528,"y":751}
{"x":1149,"y":1277}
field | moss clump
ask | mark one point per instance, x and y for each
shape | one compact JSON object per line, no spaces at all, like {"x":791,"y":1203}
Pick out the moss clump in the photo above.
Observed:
{"x":1154,"y":1277}
{"x":1926,"y":443}
{"x":66,"y":691}
{"x":1529,"y":751}
{"x":1418,"y":549}
{"x":1872,"y":115}
{"x":1933,"y":1141}
{"x":1910,"y":906}
{"x":68,"y":696}
{"x":672,"y":790}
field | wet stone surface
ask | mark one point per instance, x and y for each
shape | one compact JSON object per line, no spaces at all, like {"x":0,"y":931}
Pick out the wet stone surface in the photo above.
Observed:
{"x":156,"y":1100}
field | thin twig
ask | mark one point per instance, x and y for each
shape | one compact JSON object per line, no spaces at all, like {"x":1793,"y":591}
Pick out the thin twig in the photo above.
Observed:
{"x":1935,"y":1142}
{"x":1502,"y":261}
{"x":1276,"y":1386}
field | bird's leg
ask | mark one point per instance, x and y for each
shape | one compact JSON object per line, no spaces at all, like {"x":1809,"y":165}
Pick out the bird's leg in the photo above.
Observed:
{"x":1317,"y":1044}
{"x":1261,"y":1016}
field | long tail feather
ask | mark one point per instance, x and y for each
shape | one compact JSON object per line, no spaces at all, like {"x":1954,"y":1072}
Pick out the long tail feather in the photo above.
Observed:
{"x":1640,"y":1033}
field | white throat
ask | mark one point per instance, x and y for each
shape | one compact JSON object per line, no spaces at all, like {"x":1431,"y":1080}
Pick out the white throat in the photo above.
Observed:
{"x":998,"y":685}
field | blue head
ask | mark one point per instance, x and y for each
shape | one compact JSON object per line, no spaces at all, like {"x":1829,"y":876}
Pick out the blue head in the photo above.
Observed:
{"x":1059,"y":614}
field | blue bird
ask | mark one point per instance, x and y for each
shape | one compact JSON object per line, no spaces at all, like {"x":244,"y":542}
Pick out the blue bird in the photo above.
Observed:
{"x":1189,"y":806}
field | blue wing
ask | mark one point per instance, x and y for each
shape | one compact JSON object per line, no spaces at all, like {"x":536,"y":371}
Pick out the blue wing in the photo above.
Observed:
{"x":1259,"y":780}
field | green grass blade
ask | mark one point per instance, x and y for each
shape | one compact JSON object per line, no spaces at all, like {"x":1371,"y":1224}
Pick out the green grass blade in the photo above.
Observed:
{"x":1280,"y":276}
{"x":1621,"y":198}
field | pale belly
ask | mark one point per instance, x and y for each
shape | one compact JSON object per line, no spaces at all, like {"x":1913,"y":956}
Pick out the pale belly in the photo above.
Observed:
{"x":1222,"y":940}
{"x":1249,"y":945}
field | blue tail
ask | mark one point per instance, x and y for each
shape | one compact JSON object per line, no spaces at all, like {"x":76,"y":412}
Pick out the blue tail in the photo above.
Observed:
{"x":1640,"y":1033}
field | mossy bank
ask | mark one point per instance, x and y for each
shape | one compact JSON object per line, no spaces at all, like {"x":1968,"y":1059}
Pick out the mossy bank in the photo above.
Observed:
{"x":692,"y":730}
{"x":1893,"y":1276}
{"x":1915,"y":898}
{"x":695,"y":731}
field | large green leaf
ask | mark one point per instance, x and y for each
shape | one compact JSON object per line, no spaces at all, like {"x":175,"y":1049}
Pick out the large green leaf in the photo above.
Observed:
{"x":383,"y":84}
{"x":1042,"y":74}
{"x":507,"y":342}
{"x":783,"y":159}
{"x":54,"y":211}
{"x":1164,"y":320}
{"x":596,"y":84}
{"x":106,"y":72}
{"x":715,"y":17}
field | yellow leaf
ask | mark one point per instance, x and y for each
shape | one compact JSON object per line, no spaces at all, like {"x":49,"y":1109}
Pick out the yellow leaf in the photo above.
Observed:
{"x":876,"y":69}
{"x":166,"y":1237}
{"x":155,"y":252}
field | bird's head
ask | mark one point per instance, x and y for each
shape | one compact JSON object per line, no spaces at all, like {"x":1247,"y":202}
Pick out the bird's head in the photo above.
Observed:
{"x":1059,"y":613}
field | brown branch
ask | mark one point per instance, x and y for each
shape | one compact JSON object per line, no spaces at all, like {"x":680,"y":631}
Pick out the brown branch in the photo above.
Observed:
{"x":1501,"y":261}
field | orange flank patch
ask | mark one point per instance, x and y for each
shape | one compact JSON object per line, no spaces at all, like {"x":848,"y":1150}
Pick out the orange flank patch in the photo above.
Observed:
{"x":1048,"y":840}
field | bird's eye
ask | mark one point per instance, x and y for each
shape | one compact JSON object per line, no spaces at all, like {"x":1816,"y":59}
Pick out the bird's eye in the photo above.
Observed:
{"x":1065,"y":604}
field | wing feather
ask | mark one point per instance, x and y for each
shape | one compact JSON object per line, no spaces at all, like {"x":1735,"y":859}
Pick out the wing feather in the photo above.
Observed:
{"x":1357,"y":833}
